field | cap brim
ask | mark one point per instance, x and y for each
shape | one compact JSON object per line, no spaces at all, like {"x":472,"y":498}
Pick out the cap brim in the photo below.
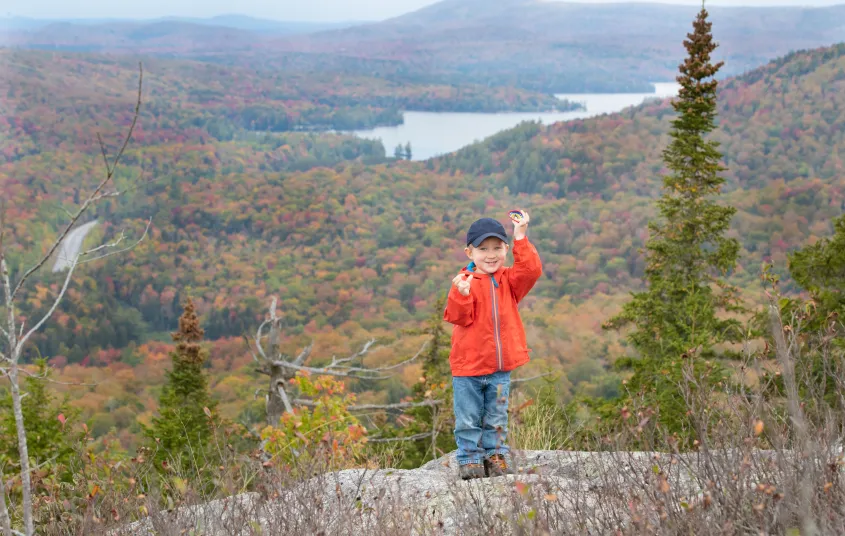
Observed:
{"x":482,"y":238}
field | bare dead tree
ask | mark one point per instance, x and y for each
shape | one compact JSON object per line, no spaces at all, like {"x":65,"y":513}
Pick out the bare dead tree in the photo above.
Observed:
{"x":15,"y":336}
{"x":281,"y":368}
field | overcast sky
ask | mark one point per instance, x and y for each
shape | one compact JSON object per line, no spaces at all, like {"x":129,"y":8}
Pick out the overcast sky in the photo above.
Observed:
{"x":291,"y":10}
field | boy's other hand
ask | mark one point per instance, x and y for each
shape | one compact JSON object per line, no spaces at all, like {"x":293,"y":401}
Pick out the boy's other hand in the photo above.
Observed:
{"x":519,"y":229}
{"x":462,"y":282}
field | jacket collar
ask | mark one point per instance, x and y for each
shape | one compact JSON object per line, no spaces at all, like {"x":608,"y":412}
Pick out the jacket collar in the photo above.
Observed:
{"x":497,"y":276}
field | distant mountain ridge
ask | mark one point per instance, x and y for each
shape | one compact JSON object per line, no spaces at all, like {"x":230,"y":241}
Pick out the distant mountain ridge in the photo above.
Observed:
{"x":233,"y":20}
{"x":551,"y":47}
{"x":172,"y":36}
{"x":570,"y":47}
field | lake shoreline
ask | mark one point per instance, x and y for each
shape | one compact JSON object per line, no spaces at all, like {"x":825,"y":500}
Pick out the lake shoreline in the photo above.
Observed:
{"x":433,"y":134}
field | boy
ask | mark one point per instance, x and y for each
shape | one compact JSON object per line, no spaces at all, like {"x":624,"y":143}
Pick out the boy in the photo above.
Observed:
{"x":488,"y":342}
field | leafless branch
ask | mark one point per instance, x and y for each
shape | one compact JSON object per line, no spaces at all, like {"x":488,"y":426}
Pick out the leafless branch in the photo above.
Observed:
{"x":284,"y":396}
{"x":375,"y":407}
{"x":415,"y":437}
{"x":367,"y":345}
{"x":105,"y":246}
{"x":367,"y":370}
{"x":258,"y":337}
{"x":91,"y":198}
{"x":49,"y":313}
{"x":107,"y":194}
{"x":114,"y":244}
{"x":10,"y":310}
{"x":303,"y":355}
{"x":363,"y":373}
{"x":57,"y":382}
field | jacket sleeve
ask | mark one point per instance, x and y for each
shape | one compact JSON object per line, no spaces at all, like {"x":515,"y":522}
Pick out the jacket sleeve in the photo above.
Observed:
{"x":459,"y":308}
{"x":527,"y":268}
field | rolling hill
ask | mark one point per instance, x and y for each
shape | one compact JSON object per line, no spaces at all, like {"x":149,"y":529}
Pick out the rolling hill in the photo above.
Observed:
{"x":564,"y":47}
{"x":353,"y":250}
{"x":545,"y":46}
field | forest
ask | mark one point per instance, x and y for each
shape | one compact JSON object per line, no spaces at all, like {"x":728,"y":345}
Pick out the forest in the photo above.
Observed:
{"x":354,"y":244}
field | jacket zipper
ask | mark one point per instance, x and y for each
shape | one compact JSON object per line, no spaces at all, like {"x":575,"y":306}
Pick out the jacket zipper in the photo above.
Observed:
{"x":500,"y":362}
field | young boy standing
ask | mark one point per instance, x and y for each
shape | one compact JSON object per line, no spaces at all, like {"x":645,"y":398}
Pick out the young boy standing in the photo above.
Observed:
{"x":488,"y":341}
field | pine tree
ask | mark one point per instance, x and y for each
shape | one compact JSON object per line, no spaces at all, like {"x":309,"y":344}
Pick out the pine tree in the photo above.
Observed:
{"x":180,"y":434}
{"x":688,"y":255}
{"x":399,"y":152}
{"x":820,"y":269}
{"x":408,"y":153}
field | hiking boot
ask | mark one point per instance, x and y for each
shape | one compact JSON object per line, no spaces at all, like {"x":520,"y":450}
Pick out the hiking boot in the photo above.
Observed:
{"x":469,"y":471}
{"x":497,"y":465}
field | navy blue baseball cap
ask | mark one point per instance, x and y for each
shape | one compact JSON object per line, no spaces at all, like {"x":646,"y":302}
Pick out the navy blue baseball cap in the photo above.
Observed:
{"x":484,"y":228}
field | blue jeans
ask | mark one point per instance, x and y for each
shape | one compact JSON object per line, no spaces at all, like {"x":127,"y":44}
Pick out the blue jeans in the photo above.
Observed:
{"x":481,"y":415}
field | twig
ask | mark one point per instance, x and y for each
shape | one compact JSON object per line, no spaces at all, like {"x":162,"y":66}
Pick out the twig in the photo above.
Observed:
{"x":329,"y":372}
{"x":370,"y":407}
{"x":303,"y":355}
{"x":49,"y":313}
{"x":57,"y":382}
{"x":119,"y":251}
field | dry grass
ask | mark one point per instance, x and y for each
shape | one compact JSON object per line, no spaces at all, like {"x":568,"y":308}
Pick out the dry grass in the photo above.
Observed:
{"x":771,"y":465}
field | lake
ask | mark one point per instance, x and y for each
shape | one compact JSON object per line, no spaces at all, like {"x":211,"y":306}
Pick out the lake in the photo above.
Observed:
{"x":436,"y":133}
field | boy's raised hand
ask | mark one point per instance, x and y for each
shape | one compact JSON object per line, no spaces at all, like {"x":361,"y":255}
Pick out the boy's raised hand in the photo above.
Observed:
{"x":519,"y":229}
{"x":462,"y":282}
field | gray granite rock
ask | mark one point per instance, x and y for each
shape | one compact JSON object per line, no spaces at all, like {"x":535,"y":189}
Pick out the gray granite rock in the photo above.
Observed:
{"x":551,"y":492}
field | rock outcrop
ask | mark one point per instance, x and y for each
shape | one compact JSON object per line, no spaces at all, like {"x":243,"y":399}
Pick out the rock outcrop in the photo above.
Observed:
{"x":554,"y":492}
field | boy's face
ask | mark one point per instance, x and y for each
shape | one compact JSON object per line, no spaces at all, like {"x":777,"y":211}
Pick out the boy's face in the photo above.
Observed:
{"x":489,"y":256}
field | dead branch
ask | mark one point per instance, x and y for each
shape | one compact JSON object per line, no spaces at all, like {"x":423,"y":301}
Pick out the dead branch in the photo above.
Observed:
{"x":375,"y":407}
{"x":281,"y":368}
{"x":303,"y":355}
{"x":284,"y":396}
{"x":57,"y":382}
{"x":355,"y":373}
{"x":56,"y":302}
{"x":335,"y":368}
{"x":115,"y":244}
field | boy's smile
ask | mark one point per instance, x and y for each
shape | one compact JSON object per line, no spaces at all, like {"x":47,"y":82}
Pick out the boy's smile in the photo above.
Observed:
{"x":489,"y":256}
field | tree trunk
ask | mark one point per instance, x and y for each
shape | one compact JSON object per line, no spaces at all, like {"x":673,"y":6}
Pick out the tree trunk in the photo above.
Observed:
{"x":5,"y":522}
{"x":277,"y":399}
{"x":23,"y":451}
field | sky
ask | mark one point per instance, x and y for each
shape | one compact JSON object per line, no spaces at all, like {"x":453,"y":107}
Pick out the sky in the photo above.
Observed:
{"x":290,"y":10}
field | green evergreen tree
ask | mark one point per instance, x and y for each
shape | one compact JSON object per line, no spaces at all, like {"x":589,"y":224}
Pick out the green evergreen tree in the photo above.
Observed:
{"x":408,"y":152}
{"x":399,"y":152}
{"x":820,"y":269}
{"x":679,"y":317}
{"x":181,"y":433}
{"x":816,"y":322}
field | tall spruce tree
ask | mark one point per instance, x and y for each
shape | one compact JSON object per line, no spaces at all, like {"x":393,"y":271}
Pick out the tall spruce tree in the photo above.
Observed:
{"x":687,"y":253}
{"x":181,"y":432}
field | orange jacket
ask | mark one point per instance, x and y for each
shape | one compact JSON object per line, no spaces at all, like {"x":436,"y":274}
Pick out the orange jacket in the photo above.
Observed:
{"x":488,"y":335}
